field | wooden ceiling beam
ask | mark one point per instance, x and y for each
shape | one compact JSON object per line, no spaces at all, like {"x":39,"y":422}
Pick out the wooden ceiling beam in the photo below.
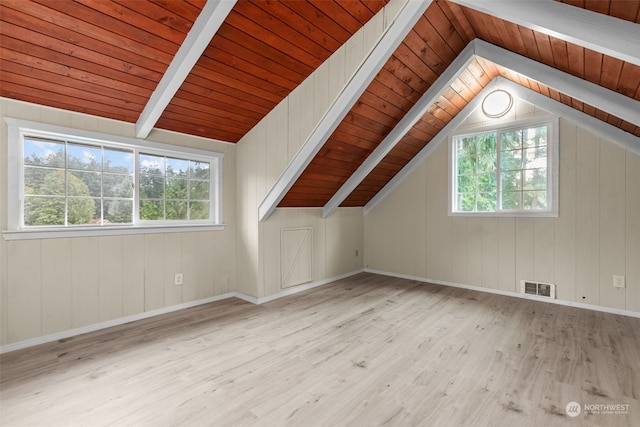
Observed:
{"x":613,"y":133}
{"x":204,"y":28}
{"x":582,"y":90}
{"x":398,"y":132}
{"x":607,"y":100}
{"x":367,"y":71}
{"x":601,"y":33}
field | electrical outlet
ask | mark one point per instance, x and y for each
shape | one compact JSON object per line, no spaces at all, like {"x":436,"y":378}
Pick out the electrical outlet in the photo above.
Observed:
{"x":618,"y":281}
{"x":177,"y":280}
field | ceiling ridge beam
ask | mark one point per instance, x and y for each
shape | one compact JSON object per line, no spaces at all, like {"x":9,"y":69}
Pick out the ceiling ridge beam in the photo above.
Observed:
{"x":602,"y":33}
{"x":416,"y":112}
{"x":204,"y":28}
{"x":616,"y":135}
{"x":382,"y":51}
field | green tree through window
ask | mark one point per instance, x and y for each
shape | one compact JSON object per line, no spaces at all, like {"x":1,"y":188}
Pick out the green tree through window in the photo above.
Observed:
{"x":69,"y":183}
{"x":173,"y":189}
{"x":502,"y":170}
{"x":51,"y":210}
{"x":89,"y":182}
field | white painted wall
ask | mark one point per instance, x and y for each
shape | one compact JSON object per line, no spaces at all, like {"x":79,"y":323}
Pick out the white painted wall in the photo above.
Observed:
{"x":596,"y":235}
{"x":54,"y":285}
{"x":263,"y":155}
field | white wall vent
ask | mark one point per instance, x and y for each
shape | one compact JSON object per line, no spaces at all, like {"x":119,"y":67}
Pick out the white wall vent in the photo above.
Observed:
{"x":547,"y":290}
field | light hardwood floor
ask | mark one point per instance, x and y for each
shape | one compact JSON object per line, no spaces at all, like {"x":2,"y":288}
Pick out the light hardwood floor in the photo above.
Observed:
{"x":365,"y":351}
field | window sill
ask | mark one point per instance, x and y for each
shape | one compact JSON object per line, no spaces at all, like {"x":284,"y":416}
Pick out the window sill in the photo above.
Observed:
{"x":41,"y":233}
{"x":519,"y":214}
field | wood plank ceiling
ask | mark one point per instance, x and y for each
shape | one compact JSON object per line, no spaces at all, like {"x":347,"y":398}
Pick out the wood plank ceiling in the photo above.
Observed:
{"x":434,"y":42}
{"x":106,"y":58}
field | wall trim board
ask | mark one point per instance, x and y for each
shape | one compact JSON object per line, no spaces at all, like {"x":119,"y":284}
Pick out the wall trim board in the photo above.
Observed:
{"x":148,"y":314}
{"x":508,"y":293}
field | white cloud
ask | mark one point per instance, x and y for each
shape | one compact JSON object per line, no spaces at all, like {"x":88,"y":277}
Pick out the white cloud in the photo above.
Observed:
{"x":88,"y":156}
{"x":150,"y":164}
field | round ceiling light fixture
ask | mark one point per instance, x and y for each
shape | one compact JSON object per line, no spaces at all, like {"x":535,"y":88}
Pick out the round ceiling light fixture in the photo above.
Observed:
{"x":497,"y":103}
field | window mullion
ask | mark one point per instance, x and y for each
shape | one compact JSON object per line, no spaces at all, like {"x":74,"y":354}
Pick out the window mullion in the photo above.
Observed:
{"x":136,"y":186}
{"x":66,"y":184}
{"x":102,"y":185}
{"x":164,"y":188}
{"x":214,"y":191}
{"x":498,"y":169}
{"x":189,"y":190}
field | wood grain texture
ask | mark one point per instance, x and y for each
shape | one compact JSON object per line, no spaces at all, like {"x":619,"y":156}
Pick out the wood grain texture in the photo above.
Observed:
{"x":263,"y":51}
{"x":364,"y":351}
{"x":414,"y":67}
{"x":425,"y":52}
{"x":628,"y":10}
{"x":106,"y":57}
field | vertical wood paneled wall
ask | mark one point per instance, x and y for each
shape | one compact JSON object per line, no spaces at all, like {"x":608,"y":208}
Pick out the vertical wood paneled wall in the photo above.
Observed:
{"x":263,"y":155}
{"x":53,"y":285}
{"x":596,"y":235}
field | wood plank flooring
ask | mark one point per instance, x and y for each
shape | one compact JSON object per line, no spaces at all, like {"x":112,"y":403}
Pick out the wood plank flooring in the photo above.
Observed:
{"x":365,"y":351}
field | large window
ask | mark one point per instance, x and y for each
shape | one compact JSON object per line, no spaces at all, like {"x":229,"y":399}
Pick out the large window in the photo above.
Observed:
{"x":506,"y":171}
{"x":64,"y":182}
{"x":69,"y":183}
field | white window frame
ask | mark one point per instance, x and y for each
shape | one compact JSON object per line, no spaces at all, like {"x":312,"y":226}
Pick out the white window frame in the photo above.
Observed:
{"x":19,"y":129}
{"x":553,"y":144}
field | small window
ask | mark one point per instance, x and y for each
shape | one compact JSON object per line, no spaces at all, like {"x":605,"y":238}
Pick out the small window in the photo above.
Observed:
{"x":506,"y":171}
{"x":174,"y":189}
{"x":66,"y":182}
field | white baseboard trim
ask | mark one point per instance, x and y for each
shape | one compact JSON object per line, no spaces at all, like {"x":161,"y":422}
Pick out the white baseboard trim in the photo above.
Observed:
{"x":147,"y":314}
{"x":303,"y":287}
{"x":109,"y":323}
{"x":509,"y":293}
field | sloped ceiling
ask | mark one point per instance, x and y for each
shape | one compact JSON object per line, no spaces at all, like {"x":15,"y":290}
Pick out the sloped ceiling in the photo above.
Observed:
{"x":107,"y":57}
{"x":426,"y":52}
